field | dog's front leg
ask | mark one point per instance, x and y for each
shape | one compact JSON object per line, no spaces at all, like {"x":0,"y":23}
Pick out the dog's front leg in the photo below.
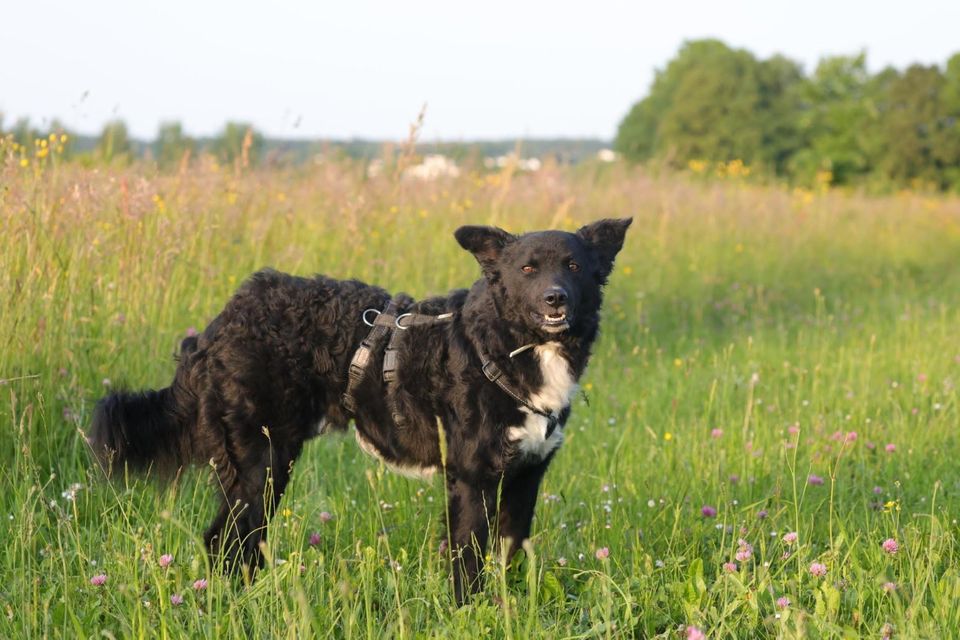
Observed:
{"x":470,"y":506}
{"x":517,"y":503}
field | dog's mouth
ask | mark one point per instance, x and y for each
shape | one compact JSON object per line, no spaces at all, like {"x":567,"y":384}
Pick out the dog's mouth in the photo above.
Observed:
{"x":553,"y":322}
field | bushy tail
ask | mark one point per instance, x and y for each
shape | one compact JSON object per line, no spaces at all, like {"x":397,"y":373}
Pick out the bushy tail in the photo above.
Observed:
{"x":139,"y":429}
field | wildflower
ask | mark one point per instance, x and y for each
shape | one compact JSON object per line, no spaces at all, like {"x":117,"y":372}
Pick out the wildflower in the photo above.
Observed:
{"x":165,"y":560}
{"x":743,"y":554}
{"x":602,"y":553}
{"x":889,"y":587}
{"x":325,"y":516}
{"x":921,"y":378}
{"x":716,"y":433}
{"x":890,"y":448}
{"x":562,"y":561}
{"x":783,"y":602}
{"x":200,"y":585}
{"x":708,"y":511}
{"x":107,"y":383}
{"x":814,"y":480}
{"x":730,"y":567}
{"x":668,"y":436}
{"x":176,"y":599}
{"x":191,"y":332}
{"x":793,"y":429}
{"x":818,"y":569}
{"x":734,"y":479}
{"x":694,"y":633}
{"x":762,"y":514}
{"x":443,"y":546}
{"x":790,"y":538}
{"x":99,"y":580}
{"x":878,"y":490}
{"x":890,"y":546}
{"x":314,"y":539}
{"x":851,"y":436}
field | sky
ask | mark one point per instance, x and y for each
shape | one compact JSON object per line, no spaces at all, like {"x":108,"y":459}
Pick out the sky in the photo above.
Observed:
{"x":356,"y":68}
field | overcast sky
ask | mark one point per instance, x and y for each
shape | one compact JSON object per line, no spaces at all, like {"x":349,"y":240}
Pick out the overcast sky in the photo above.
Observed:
{"x":348,"y":68}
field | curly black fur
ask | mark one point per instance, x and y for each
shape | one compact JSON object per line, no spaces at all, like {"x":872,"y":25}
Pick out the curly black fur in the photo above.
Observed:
{"x":269,"y":371}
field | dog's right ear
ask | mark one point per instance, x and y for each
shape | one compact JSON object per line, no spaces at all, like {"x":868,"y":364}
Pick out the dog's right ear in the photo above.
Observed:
{"x":485,"y":243}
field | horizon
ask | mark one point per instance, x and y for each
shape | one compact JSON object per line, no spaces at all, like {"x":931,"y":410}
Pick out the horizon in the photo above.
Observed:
{"x":302,"y":72}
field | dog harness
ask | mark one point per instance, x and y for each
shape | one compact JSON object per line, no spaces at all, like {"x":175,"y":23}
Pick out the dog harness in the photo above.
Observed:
{"x":388,"y":322}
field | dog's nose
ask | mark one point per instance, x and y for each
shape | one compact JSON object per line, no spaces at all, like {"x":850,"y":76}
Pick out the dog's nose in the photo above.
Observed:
{"x":555,"y":297}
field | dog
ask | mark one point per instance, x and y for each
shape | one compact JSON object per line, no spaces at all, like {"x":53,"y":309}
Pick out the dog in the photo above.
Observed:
{"x":490,"y":370}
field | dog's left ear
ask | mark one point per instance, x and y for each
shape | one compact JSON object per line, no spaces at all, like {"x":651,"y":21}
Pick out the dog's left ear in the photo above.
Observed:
{"x":606,"y":238}
{"x":485,"y":243}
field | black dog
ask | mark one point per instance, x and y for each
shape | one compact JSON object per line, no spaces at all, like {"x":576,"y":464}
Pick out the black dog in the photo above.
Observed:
{"x":496,"y":366}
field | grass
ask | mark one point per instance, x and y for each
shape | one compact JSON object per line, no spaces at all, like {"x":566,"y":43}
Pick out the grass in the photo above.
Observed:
{"x":813,"y":331}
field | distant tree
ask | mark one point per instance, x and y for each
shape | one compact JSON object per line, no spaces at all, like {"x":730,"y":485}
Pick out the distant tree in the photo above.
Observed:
{"x":911,"y":125}
{"x":836,"y":120}
{"x":946,"y":145}
{"x":171,"y":144}
{"x":712,"y":102}
{"x":780,"y":80}
{"x":24,"y":134}
{"x":237,"y":143}
{"x":114,"y":142}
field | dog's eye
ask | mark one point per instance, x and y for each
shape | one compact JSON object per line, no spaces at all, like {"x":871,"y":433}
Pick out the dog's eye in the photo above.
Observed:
{"x":528,"y":268}
{"x":573,"y":266}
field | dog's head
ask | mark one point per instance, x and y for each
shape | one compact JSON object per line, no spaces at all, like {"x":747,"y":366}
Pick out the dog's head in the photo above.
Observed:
{"x":547,"y":281}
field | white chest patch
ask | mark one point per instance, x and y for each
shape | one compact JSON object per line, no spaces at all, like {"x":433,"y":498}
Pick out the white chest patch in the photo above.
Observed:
{"x":558,"y":387}
{"x":411,"y":471}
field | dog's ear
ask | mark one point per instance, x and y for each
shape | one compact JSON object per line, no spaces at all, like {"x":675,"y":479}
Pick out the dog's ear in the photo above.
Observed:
{"x":606,"y":238}
{"x":485,"y":243}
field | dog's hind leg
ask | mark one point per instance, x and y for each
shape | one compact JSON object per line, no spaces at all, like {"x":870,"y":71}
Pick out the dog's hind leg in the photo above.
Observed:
{"x":251,"y":495}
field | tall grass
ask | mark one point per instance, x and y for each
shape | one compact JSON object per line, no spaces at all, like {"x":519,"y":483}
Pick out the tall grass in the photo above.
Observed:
{"x":756,"y":342}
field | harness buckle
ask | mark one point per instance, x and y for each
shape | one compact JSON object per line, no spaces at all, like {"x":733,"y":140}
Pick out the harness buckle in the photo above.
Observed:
{"x":491,"y":370}
{"x":358,"y":364}
{"x":389,"y":365}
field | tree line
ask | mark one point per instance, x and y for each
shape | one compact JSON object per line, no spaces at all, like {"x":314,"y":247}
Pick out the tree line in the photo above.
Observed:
{"x":236,"y":142}
{"x":714,"y":103}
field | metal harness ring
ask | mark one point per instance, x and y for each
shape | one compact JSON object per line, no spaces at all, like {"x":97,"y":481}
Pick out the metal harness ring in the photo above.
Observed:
{"x":399,"y":318}
{"x":364,"y":316}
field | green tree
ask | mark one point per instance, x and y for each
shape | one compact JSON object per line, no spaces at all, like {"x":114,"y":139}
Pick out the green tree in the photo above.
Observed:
{"x":238,"y":143}
{"x":114,"y":142}
{"x":836,"y":120}
{"x":946,"y":145}
{"x":712,"y":102}
{"x":24,"y":134}
{"x":171,"y":144}
{"x":911,"y":125}
{"x":780,"y":80}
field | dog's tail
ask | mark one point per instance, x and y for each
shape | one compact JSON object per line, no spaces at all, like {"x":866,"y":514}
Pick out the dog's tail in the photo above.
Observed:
{"x":144,"y":429}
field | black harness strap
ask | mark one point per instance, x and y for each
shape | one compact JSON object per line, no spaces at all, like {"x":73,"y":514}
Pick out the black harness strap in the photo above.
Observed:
{"x":384,"y":324}
{"x":495,"y":375}
{"x":387,"y":322}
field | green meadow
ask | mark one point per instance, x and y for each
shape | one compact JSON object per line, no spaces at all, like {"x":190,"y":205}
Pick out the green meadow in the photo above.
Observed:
{"x":766,"y":445}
